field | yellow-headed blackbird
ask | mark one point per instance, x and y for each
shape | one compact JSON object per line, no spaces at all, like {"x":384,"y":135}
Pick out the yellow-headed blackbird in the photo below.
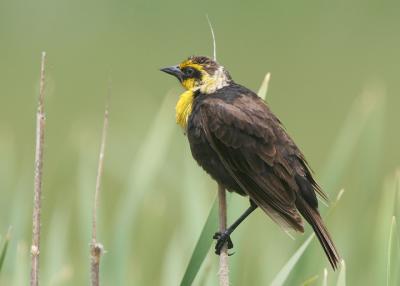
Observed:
{"x":236,"y":139}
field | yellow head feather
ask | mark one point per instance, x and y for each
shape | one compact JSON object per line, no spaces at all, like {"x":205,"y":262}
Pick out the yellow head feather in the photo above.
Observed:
{"x":207,"y":84}
{"x":190,"y":83}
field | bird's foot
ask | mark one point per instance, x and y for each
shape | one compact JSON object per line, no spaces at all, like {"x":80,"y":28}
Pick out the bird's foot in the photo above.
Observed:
{"x":222,"y":238}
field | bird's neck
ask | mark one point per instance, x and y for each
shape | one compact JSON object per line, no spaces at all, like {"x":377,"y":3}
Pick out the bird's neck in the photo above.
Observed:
{"x":215,"y":82}
{"x":183,"y":108}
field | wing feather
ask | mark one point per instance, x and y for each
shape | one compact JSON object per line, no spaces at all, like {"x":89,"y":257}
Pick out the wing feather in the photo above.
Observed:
{"x":247,"y":143}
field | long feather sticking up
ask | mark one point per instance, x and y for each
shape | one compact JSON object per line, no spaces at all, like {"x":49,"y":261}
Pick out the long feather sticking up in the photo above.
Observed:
{"x":213,"y":38}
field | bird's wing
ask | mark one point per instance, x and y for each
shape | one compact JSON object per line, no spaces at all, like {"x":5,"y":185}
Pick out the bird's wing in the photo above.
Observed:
{"x":257,"y":153}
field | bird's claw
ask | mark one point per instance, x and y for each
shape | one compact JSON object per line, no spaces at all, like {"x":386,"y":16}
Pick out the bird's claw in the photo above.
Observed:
{"x":222,"y":238}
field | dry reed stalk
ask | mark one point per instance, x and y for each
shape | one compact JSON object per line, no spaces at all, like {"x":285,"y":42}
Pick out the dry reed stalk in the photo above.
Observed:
{"x":40,"y":126}
{"x":223,"y":258}
{"x":96,"y":248}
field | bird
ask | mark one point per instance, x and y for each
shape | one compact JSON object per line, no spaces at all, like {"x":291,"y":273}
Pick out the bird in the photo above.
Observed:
{"x":235,"y":137}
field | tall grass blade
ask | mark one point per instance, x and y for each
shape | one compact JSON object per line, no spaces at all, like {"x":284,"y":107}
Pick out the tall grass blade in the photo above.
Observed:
{"x":202,"y":246}
{"x":334,"y":204}
{"x":196,"y":202}
{"x":393,"y":255}
{"x":310,"y":281}
{"x":342,"y":275}
{"x":263,"y":90}
{"x":1,"y":240}
{"x":5,"y":247}
{"x":173,"y":262}
{"x":21,"y":265}
{"x":341,"y":153}
{"x":396,"y":208}
{"x":143,"y":170}
{"x":325,"y":280}
{"x":85,"y":178}
{"x":284,"y":273}
{"x":142,"y":174}
{"x":56,"y":247}
{"x":394,"y":238}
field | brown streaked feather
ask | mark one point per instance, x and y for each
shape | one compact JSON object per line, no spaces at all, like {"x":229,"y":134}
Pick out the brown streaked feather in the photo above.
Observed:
{"x":236,"y":138}
{"x":247,"y":122}
{"x":238,"y":147}
{"x":257,"y":152}
{"x":314,"y":219}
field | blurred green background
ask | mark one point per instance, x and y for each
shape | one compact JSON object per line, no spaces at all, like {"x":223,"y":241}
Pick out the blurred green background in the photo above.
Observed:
{"x":335,"y":68}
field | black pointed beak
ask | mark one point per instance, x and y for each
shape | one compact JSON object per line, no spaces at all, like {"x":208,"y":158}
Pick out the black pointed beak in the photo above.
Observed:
{"x":173,"y":70}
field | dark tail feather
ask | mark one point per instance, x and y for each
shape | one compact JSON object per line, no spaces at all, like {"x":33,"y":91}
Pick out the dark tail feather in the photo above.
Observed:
{"x":315,"y":220}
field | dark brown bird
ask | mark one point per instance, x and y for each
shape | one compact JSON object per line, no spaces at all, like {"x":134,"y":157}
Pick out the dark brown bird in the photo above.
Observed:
{"x":235,"y":138}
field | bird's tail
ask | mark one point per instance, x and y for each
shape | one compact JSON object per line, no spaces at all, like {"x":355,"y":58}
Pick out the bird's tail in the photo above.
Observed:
{"x":314,"y":219}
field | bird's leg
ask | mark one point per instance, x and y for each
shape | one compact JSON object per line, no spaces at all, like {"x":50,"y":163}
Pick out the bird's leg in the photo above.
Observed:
{"x":224,"y":237}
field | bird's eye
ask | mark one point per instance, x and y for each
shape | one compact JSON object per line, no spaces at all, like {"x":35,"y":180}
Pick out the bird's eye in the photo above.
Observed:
{"x":189,"y":71}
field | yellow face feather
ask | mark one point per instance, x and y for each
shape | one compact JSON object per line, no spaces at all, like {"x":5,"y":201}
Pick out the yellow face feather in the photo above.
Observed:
{"x":207,"y":84}
{"x":183,"y":107}
{"x":190,"y":83}
{"x":189,"y":63}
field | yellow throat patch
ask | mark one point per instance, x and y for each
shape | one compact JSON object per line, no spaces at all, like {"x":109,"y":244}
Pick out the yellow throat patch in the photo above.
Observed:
{"x":183,"y":108}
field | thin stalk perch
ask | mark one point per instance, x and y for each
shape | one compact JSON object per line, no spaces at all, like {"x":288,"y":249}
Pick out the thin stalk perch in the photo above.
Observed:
{"x":40,"y":126}
{"x":96,"y":248}
{"x":223,"y":258}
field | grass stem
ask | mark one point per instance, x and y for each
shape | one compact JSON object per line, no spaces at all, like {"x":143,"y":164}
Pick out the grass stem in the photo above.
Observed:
{"x":223,"y":258}
{"x":96,"y":248}
{"x":40,"y":126}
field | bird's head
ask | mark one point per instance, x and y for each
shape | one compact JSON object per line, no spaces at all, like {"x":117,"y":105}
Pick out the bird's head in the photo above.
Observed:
{"x":200,"y":73}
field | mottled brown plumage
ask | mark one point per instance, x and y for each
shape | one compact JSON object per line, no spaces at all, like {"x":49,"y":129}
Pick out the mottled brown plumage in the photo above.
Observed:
{"x":235,"y":137}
